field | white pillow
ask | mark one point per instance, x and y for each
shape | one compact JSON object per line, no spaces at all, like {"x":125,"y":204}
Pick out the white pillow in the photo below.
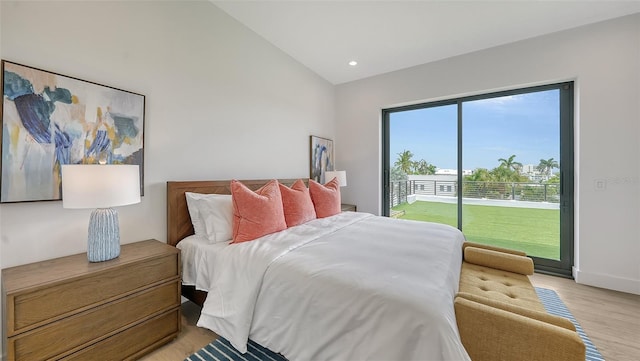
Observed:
{"x":211,"y":215}
{"x":198,"y":225}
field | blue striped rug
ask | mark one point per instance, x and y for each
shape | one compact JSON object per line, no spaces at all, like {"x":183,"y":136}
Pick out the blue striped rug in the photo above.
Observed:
{"x":221,"y":349}
{"x":554,"y":305}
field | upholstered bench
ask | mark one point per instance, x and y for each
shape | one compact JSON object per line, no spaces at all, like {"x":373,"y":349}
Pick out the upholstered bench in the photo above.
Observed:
{"x":500,"y":316}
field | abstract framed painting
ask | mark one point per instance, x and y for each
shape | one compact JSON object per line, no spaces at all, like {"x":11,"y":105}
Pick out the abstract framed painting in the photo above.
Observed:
{"x":49,"y":119}
{"x":321,"y":158}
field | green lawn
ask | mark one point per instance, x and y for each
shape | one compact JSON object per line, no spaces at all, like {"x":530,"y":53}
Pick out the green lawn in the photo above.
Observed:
{"x":534,"y":231}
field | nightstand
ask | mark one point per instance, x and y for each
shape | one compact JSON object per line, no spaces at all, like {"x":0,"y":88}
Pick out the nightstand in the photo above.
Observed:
{"x":348,"y":207}
{"x":68,"y":308}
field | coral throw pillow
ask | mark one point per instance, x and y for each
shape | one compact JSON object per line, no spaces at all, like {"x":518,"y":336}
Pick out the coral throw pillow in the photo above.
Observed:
{"x":258,"y":213}
{"x":297,"y":204}
{"x":326,"y":198}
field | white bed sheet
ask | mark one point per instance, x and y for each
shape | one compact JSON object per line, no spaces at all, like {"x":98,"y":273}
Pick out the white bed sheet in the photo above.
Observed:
{"x":197,"y":254}
{"x":350,"y":287}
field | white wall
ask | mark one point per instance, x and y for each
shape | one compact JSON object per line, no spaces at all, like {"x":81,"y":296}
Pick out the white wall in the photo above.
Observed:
{"x":603,"y":59}
{"x":221,"y":103}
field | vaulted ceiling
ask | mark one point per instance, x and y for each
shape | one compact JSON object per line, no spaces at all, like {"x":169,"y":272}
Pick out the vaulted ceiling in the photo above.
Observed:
{"x":384,"y":36}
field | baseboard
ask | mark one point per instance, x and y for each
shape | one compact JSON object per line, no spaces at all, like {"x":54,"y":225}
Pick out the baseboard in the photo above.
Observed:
{"x":627,"y":285}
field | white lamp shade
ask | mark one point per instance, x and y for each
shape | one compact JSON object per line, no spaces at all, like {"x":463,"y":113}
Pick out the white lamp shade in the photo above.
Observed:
{"x":340,"y":174}
{"x":100,"y":186}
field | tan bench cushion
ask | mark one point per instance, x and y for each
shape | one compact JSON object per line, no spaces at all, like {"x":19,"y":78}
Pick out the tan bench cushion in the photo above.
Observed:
{"x":493,"y":334}
{"x":499,"y":260}
{"x":540,"y":316}
{"x":498,"y":285}
{"x":493,"y":248}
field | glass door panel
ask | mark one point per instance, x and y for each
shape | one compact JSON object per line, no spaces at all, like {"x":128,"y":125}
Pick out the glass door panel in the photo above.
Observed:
{"x":423,"y":158}
{"x":511,"y":182}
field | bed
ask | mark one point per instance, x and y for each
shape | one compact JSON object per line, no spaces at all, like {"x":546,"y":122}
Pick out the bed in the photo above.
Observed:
{"x":352,"y":286}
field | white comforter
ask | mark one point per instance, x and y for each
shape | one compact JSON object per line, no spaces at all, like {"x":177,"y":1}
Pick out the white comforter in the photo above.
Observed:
{"x":349,"y":287}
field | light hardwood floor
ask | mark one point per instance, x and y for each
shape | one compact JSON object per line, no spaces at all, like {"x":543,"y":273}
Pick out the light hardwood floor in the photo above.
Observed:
{"x":610,"y":319}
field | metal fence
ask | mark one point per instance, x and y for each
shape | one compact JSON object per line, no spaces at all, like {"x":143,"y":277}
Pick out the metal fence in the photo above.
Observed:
{"x":399,"y":191}
{"x":532,"y":192}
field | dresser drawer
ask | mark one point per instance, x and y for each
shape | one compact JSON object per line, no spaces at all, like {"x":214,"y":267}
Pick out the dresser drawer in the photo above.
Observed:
{"x":134,"y":342}
{"x":29,"y":309}
{"x":84,"y":328}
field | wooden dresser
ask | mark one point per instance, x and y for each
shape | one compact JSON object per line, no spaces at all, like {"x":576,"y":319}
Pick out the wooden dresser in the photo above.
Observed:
{"x":70,"y":309}
{"x":348,"y":207}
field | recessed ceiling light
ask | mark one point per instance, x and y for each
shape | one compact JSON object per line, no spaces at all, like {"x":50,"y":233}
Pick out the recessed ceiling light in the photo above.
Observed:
{"x":353,"y":63}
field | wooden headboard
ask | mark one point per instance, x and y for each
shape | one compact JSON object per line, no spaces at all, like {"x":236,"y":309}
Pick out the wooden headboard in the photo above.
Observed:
{"x":178,"y":220}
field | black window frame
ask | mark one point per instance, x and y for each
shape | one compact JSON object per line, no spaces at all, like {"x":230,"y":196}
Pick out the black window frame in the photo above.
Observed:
{"x":562,"y":267}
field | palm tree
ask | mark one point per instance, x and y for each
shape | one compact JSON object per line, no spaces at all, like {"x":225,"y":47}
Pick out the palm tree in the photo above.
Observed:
{"x":555,"y":179}
{"x":503,"y":173}
{"x":476,"y":184}
{"x":546,"y":166}
{"x":397,"y":175}
{"x":404,"y":161}
{"x":423,"y":167}
{"x":510,"y":163}
{"x":479,"y":175}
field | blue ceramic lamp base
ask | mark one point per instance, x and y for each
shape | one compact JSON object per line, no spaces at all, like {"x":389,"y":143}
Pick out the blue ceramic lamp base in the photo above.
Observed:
{"x":104,"y":235}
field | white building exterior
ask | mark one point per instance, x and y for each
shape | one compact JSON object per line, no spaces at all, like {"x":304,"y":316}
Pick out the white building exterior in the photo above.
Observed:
{"x":452,"y":172}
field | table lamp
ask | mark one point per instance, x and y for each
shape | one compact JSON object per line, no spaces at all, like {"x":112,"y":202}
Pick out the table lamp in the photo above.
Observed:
{"x":340,"y":174}
{"x":101,"y":187}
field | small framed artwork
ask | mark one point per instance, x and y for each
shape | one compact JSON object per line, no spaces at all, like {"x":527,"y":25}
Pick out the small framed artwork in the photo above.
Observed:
{"x":321,"y":158}
{"x":49,"y":119}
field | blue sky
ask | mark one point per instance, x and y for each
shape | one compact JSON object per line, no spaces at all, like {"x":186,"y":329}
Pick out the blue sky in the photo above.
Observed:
{"x":527,"y":125}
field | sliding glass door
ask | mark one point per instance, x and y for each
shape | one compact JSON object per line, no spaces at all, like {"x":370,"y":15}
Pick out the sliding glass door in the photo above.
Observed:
{"x":497,"y":166}
{"x":420,"y":139}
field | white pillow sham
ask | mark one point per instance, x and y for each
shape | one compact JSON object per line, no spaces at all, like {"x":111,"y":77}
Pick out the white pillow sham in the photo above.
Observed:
{"x":211,"y":215}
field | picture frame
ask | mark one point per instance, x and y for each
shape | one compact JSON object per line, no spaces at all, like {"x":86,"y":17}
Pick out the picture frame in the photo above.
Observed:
{"x":321,"y":158}
{"x":50,"y":119}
